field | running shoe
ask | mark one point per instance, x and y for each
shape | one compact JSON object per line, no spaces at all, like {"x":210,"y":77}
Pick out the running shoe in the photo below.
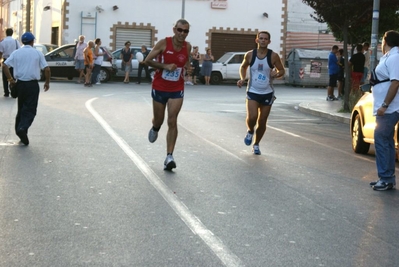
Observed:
{"x":256,"y":150}
{"x":169,"y":163}
{"x":382,"y":186}
{"x":331,"y":98}
{"x":248,"y":139}
{"x":152,"y":136}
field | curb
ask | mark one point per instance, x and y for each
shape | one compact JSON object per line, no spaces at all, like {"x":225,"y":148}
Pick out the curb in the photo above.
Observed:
{"x":336,"y":116}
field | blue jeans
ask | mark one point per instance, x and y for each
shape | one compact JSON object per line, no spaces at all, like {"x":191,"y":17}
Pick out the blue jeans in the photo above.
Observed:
{"x":385,"y":146}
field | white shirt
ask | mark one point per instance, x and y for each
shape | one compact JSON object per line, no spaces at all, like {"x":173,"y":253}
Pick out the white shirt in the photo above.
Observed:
{"x":8,"y":45}
{"x":99,"y":60}
{"x":388,"y":68}
{"x":259,"y":79}
{"x":27,"y":63}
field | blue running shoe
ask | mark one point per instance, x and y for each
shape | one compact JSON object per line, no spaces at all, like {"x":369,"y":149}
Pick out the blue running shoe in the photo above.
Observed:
{"x":152,"y":136}
{"x":256,"y":150}
{"x":248,"y":139}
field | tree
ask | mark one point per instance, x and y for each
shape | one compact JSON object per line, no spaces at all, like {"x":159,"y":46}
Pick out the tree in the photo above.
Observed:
{"x":350,"y":22}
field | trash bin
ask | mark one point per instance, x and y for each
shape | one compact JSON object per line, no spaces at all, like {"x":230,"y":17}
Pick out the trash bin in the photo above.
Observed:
{"x":308,"y":67}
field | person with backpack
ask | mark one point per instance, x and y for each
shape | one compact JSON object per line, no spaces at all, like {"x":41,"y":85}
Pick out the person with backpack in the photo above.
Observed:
{"x":264,"y":66}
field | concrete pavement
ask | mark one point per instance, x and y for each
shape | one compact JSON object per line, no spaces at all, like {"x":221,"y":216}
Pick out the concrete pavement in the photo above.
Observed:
{"x":327,"y":109}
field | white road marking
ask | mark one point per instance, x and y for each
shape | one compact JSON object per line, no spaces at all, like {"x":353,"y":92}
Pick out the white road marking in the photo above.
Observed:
{"x":196,"y":226}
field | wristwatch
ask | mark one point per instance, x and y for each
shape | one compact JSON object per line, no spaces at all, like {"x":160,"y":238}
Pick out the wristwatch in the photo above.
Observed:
{"x":384,"y":105}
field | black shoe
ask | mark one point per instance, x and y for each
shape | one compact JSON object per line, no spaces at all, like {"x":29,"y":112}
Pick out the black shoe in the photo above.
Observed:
{"x":6,"y":95}
{"x":23,"y":136}
{"x":382,"y":186}
{"x":137,"y":82}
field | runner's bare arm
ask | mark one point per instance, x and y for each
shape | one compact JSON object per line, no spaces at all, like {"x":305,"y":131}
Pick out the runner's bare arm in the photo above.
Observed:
{"x":157,"y":50}
{"x":279,"y":70}
{"x":243,"y":68}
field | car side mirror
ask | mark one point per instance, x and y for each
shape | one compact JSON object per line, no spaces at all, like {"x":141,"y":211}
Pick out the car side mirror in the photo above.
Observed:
{"x":365,"y":87}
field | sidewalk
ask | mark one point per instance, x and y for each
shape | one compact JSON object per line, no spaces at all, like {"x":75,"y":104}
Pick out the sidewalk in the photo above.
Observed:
{"x":326,"y":109}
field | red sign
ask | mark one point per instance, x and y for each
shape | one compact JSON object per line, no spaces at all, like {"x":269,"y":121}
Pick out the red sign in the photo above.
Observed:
{"x":301,"y":73}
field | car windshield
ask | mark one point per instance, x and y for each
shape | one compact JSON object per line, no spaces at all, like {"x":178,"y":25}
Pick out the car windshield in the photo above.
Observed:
{"x":50,"y":47}
{"x":224,"y":58}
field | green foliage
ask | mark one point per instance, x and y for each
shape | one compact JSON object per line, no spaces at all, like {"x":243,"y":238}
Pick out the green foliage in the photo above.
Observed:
{"x":355,"y":16}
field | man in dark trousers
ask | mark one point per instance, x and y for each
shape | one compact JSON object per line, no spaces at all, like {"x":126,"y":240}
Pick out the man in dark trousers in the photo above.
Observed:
{"x":142,"y":66}
{"x":7,"y":46}
{"x":27,"y":63}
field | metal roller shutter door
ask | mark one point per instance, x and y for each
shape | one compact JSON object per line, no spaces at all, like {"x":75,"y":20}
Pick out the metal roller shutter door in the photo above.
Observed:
{"x":137,"y":37}
{"x":231,"y":42}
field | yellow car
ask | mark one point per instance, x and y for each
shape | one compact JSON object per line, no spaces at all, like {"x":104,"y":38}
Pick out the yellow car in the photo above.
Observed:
{"x":362,"y":125}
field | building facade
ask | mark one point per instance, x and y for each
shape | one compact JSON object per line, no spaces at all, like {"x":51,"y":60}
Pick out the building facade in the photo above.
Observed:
{"x":223,"y":25}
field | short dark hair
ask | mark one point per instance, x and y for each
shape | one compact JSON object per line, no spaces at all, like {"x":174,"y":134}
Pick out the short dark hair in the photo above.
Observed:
{"x":334,"y":47}
{"x":359,"y":47}
{"x":9,"y":31}
{"x":183,"y":22}
{"x":127,"y":42}
{"x":265,"y":32}
{"x":341,"y":51}
{"x":391,"y":38}
{"x":97,"y":40}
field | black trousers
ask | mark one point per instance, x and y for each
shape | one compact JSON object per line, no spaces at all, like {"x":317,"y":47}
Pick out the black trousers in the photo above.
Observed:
{"x":147,"y":74}
{"x":28,"y":97}
{"x":5,"y":82}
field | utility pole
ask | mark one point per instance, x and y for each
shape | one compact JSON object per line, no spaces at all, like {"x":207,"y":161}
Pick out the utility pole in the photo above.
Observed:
{"x":183,"y":8}
{"x":374,"y":33}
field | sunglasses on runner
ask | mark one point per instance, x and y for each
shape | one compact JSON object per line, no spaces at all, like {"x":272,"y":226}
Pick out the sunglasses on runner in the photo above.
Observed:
{"x":182,"y":30}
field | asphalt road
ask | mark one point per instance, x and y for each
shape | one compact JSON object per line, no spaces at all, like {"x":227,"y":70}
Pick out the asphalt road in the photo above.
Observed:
{"x":90,"y":189}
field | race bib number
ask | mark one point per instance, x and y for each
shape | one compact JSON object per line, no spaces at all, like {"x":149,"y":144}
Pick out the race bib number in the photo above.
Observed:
{"x":171,"y":75}
{"x":260,"y":78}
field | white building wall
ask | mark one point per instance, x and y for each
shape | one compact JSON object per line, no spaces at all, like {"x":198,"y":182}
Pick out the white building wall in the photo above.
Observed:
{"x":162,"y":14}
{"x":299,"y":19}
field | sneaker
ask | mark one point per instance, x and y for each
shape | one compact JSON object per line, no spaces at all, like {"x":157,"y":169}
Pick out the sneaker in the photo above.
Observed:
{"x":23,"y":136}
{"x":152,"y":136}
{"x":256,"y":150}
{"x":375,"y":182}
{"x":98,"y":83}
{"x":331,"y":98}
{"x":382,"y":186}
{"x":248,"y":139}
{"x":169,"y":163}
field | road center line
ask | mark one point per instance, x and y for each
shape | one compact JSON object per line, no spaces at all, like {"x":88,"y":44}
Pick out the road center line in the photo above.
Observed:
{"x":196,"y":226}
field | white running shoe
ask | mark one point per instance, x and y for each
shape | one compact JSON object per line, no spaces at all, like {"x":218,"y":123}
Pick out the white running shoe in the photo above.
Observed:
{"x":169,"y":163}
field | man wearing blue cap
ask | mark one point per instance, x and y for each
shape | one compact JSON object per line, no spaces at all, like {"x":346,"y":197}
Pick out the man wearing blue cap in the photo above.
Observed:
{"x":27,"y":63}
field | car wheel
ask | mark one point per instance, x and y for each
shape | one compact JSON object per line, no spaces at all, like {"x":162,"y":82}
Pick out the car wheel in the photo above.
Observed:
{"x":358,"y":144}
{"x":216,"y":78}
{"x":104,"y":75}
